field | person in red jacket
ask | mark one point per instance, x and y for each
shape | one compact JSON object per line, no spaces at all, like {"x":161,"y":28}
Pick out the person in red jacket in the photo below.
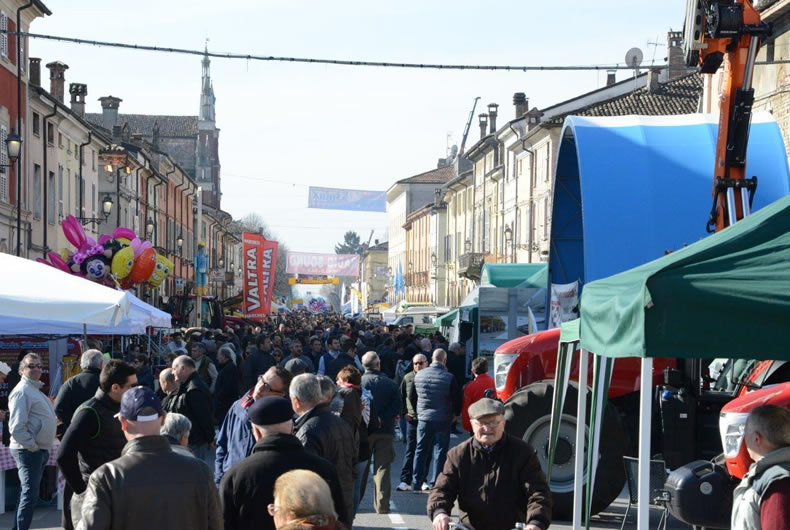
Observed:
{"x":475,"y":390}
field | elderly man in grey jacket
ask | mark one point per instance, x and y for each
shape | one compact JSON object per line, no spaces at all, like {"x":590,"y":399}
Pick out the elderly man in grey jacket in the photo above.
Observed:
{"x":32,"y":425}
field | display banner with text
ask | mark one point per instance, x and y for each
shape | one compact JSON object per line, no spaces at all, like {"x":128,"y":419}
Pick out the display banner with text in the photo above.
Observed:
{"x":260,"y":264}
{"x":342,"y":199}
{"x":323,"y":264}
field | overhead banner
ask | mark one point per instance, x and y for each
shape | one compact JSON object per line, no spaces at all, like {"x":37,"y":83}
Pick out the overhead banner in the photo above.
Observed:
{"x":323,"y":264}
{"x":342,"y":199}
{"x":260,"y":264}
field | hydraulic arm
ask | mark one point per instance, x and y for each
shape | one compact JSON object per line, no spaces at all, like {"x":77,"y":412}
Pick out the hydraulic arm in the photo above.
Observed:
{"x":729,"y":32}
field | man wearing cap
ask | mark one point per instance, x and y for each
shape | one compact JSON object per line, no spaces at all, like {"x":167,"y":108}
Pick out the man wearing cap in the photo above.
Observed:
{"x":495,"y":477}
{"x":94,"y":437}
{"x":149,"y":486}
{"x":249,"y":485}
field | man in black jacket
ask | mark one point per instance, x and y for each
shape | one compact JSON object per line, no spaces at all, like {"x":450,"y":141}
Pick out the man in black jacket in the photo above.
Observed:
{"x":94,"y":436}
{"x":80,"y":388}
{"x":323,"y":433}
{"x":193,"y":400}
{"x":74,"y":392}
{"x":249,"y":485}
{"x":226,"y":389}
{"x":382,"y":433}
{"x":258,"y":362}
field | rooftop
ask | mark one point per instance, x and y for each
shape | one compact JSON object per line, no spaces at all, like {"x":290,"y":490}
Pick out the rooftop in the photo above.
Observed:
{"x":434,"y":176}
{"x":169,"y":126}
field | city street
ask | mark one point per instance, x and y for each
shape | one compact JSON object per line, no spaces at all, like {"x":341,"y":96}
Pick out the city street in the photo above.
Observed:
{"x":408,"y":509}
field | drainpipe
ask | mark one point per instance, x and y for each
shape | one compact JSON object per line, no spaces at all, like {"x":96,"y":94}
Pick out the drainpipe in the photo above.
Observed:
{"x":82,"y":184}
{"x":137,"y":191}
{"x":167,"y":205}
{"x":156,"y":210}
{"x":147,"y":202}
{"x":179,"y":214}
{"x":515,"y":228}
{"x":19,"y":126}
{"x":45,"y":143}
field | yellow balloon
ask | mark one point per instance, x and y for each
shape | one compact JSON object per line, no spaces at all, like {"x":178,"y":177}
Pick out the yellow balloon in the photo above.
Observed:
{"x":161,"y":271}
{"x":122,"y":263}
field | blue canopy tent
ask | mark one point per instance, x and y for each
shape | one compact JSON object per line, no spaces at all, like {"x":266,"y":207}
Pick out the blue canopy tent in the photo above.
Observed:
{"x":627,"y":189}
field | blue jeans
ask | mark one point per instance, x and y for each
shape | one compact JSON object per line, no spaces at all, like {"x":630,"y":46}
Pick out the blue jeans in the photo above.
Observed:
{"x":360,"y":470}
{"x":407,"y":471}
{"x":30,"y":466}
{"x":431,"y":435}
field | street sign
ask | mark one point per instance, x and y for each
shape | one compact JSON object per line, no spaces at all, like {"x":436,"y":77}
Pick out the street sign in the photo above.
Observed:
{"x":217,"y":275}
{"x":311,"y":281}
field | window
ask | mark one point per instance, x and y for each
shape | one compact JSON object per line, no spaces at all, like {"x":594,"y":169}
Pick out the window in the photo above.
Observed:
{"x":60,"y":140}
{"x":36,"y":124}
{"x":60,"y":192}
{"x":68,"y":144}
{"x":3,"y":162}
{"x":36,"y":191}
{"x":51,"y":198}
{"x":93,"y":160}
{"x":4,"y":35}
{"x":546,"y":217}
{"x":93,"y":201}
{"x":50,"y":134}
{"x":78,"y":198}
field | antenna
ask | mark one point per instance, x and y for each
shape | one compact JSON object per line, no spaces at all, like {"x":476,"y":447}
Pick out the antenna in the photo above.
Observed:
{"x":655,"y":44}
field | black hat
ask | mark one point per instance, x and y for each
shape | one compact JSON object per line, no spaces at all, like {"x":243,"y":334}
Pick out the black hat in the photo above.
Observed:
{"x":270,"y":410}
{"x":140,"y":404}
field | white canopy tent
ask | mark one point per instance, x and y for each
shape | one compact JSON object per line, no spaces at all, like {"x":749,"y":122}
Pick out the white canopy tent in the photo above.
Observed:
{"x":32,"y":292}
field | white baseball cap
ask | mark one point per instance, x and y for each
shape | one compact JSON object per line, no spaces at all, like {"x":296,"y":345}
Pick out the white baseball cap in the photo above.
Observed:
{"x":4,"y":368}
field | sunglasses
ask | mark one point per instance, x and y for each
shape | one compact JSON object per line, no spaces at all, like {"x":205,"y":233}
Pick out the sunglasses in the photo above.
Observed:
{"x":267,"y":387}
{"x":32,"y":366}
{"x":419,"y":362}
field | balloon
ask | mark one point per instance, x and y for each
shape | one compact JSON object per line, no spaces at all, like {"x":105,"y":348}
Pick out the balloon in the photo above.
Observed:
{"x":161,"y":271}
{"x":74,"y":232}
{"x":122,"y":263}
{"x":123,"y":233}
{"x":143,"y":266}
{"x":58,"y":262}
{"x":95,"y":267}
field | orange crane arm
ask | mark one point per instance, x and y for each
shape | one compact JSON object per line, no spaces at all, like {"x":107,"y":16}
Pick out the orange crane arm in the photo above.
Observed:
{"x":729,"y":32}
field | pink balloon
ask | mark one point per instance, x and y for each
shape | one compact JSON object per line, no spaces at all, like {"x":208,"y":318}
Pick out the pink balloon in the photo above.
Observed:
{"x":74,"y":232}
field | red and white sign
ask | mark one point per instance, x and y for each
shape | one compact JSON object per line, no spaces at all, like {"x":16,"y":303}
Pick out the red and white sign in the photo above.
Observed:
{"x":260,"y":264}
{"x":323,"y":264}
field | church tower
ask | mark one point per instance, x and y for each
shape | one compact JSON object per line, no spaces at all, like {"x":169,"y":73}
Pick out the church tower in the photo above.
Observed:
{"x":207,"y":167}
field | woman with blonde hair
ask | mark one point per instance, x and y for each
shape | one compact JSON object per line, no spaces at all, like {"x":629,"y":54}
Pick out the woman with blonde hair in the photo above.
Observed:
{"x":302,"y":501}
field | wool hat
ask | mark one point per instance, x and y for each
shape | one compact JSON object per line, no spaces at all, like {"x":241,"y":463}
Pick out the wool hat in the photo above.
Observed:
{"x":270,"y":410}
{"x":485,"y":407}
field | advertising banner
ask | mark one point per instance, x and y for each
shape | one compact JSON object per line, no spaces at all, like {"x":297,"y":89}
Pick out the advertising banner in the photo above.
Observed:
{"x":564,"y":299}
{"x":260,"y":263}
{"x":323,"y":264}
{"x":342,"y":199}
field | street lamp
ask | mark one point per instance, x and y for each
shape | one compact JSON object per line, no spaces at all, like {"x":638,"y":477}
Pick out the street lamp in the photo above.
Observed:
{"x":149,"y":227}
{"x":433,"y":259}
{"x":13,"y":145}
{"x":508,"y":238}
{"x":180,"y":242}
{"x":221,"y":263}
{"x":468,"y":246}
{"x":106,"y":209}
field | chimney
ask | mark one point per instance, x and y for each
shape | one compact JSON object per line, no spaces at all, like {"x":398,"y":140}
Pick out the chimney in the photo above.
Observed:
{"x":675,"y":57}
{"x":611,"y":77}
{"x":533,"y":118}
{"x":521,"y":103}
{"x":78,"y":92}
{"x":35,"y":71}
{"x":483,"y":124}
{"x":116,"y":134}
{"x":492,"y":112}
{"x":155,"y":137}
{"x":652,"y":80}
{"x":376,"y":242}
{"x":109,"y":111}
{"x":57,"y":79}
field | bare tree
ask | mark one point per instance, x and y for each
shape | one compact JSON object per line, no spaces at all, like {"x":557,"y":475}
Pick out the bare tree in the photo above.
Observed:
{"x":254,"y":223}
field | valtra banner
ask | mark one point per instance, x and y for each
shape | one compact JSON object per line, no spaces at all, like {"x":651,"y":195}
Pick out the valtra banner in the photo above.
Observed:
{"x":260,"y":263}
{"x":323,"y":264}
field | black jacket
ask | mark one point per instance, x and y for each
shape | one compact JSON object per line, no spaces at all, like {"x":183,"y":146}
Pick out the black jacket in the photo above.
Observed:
{"x":352,"y":414}
{"x":93,"y":438}
{"x":193,"y":400}
{"x":248,"y":487}
{"x":387,"y":400}
{"x":74,"y":392}
{"x":226,"y":390}
{"x":389,"y":360}
{"x":326,"y":435}
{"x":256,"y":364}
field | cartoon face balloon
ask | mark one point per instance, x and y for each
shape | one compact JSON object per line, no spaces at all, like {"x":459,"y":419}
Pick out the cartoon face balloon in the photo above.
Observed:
{"x":143,"y":266}
{"x":122,"y":263}
{"x":96,"y":267}
{"x":161,"y":271}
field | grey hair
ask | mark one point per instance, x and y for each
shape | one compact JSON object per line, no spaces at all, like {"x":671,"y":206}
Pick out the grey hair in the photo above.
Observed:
{"x":328,"y":387}
{"x":307,"y":389}
{"x":227,"y":351}
{"x":26,"y":360}
{"x":425,"y":344}
{"x":176,"y":425}
{"x":167,"y":373}
{"x":772,"y":422}
{"x":92,"y":359}
{"x":439,"y":355}
{"x":371,"y":360}
{"x":454,"y":347}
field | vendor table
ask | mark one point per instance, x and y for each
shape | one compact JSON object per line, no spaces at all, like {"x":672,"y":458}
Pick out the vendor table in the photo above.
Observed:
{"x":7,"y":462}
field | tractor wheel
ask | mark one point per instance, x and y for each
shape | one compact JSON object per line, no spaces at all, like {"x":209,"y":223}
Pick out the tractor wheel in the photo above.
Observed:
{"x":528,"y":416}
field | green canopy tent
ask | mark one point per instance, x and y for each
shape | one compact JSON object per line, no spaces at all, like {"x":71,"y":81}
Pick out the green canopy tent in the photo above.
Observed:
{"x":511,"y":274}
{"x":678,"y":306}
{"x":446,"y":320}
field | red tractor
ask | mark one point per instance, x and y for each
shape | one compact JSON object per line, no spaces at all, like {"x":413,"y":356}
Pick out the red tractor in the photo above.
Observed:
{"x":688,"y":405}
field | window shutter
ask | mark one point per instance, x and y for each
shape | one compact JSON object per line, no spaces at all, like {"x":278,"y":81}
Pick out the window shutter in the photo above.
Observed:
{"x":4,"y":162}
{"x":4,"y":35}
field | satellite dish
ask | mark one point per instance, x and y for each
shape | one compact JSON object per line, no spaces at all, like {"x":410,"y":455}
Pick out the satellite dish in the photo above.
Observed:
{"x":633,"y":58}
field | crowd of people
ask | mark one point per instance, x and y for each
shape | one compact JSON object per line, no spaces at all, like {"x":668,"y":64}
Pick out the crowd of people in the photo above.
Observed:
{"x":277,"y":425}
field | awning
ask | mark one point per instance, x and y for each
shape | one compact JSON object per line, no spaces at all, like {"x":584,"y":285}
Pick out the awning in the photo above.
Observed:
{"x":510,"y":274}
{"x":447,"y":319}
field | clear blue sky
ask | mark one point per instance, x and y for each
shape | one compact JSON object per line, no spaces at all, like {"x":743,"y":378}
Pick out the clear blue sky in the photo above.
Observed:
{"x":334,"y":125}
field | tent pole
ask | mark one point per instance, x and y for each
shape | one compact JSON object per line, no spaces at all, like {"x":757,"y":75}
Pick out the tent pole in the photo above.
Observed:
{"x":645,"y":417}
{"x":581,"y":413}
{"x":85,"y":336}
